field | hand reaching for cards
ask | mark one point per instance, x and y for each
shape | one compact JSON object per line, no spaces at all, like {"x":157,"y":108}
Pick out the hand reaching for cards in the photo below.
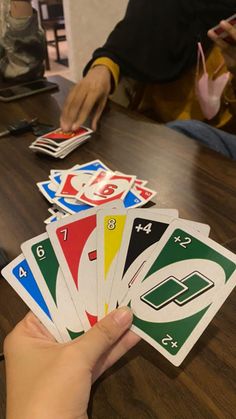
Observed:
{"x":228,"y":49}
{"x":46,"y":379}
{"x":89,"y":95}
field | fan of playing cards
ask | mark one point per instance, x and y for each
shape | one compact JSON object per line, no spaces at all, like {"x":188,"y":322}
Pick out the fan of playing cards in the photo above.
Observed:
{"x":166,"y":269}
{"x":59,"y":144}
{"x":85,"y":186}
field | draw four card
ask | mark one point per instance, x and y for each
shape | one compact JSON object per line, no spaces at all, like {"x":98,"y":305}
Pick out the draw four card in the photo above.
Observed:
{"x":143,"y":230}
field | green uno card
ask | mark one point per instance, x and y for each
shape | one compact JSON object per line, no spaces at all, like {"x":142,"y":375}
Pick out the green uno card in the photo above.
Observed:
{"x":42,"y":259}
{"x":207,"y":272}
{"x":164,"y":292}
{"x":196,"y":284}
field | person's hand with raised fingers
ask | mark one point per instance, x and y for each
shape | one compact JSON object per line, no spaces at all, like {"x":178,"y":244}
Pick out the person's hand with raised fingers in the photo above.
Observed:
{"x":228,"y":49}
{"x":88,"y":97}
{"x":50,"y":380}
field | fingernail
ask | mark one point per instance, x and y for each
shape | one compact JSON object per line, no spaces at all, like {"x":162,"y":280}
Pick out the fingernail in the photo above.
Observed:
{"x":123,"y":316}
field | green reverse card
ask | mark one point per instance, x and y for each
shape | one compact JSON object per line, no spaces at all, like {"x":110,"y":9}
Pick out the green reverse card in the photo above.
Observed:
{"x":205,"y":270}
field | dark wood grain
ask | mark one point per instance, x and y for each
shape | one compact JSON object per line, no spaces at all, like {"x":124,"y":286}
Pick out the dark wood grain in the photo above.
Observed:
{"x":187,"y":176}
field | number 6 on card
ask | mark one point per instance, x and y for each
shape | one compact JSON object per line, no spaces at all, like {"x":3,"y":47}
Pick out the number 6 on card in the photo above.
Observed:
{"x":105,"y":186}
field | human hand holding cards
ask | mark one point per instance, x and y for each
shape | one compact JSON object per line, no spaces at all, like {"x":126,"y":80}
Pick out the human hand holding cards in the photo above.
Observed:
{"x":56,"y":378}
{"x":168,"y":271}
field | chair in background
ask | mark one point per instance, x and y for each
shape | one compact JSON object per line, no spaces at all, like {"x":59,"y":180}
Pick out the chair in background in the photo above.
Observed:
{"x":52,"y":18}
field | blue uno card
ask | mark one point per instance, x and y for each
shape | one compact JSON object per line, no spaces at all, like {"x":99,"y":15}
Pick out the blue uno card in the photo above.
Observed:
{"x":19,"y":275}
{"x":48,"y":189}
{"x":57,"y":178}
{"x":72,"y":207}
{"x":92,"y":166}
{"x":131,"y":200}
{"x":24,"y":275}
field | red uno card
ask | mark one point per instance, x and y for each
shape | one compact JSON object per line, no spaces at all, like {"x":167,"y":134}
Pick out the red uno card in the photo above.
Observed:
{"x":105,"y":187}
{"x":145,"y":194}
{"x":140,"y":182}
{"x":75,"y":244}
{"x":72,"y":183}
{"x":59,"y":136}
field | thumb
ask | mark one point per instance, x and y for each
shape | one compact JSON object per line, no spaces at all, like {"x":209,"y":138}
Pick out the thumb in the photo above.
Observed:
{"x":101,"y":337}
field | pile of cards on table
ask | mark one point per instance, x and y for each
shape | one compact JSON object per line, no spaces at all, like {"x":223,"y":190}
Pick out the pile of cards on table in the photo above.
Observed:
{"x":165,"y":268}
{"x":91,"y":184}
{"x":59,"y":144}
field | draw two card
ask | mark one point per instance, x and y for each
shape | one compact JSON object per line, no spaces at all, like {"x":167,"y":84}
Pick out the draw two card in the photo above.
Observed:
{"x":186,"y":280}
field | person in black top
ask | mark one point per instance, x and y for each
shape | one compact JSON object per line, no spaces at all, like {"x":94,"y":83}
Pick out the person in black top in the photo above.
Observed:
{"x":154,"y":43}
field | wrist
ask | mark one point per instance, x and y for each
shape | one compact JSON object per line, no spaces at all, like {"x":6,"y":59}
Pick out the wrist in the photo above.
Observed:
{"x":112,"y":66}
{"x":106,"y":75}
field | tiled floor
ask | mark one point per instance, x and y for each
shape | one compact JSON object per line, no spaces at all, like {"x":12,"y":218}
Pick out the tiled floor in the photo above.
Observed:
{"x":55,"y":67}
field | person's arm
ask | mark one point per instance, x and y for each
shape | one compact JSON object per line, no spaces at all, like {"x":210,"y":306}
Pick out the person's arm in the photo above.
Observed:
{"x":112,"y":66}
{"x":154,"y":42}
{"x":23,"y":44}
{"x":48,"y":380}
{"x":90,"y":94}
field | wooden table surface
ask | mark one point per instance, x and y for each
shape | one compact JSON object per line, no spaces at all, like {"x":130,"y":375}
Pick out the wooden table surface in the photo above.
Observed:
{"x":187,"y":176}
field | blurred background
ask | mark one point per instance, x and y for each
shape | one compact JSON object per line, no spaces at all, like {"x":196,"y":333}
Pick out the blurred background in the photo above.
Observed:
{"x":74,"y":29}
